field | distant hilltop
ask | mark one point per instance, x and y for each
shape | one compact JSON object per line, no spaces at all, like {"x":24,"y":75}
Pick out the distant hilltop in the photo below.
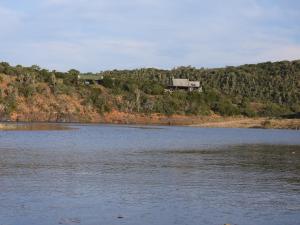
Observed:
{"x":254,"y":90}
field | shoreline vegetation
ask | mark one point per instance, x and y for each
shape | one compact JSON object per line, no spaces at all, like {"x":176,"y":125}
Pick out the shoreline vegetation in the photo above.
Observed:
{"x":264,"y":95}
{"x":201,"y":122}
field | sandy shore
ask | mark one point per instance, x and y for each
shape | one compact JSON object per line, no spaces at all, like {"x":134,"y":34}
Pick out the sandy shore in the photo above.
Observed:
{"x":7,"y":126}
{"x":265,"y":123}
{"x":32,"y":126}
{"x":208,"y":122}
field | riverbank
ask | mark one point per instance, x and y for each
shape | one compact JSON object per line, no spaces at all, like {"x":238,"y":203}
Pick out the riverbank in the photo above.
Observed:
{"x":213,"y":121}
{"x":7,"y":126}
{"x":175,"y":120}
{"x":33,"y":126}
{"x":263,"y":123}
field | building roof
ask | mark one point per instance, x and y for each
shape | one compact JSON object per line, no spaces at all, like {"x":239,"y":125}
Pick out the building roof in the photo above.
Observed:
{"x":184,"y":83}
{"x":194,"y":83}
{"x":90,"y":77}
{"x":180,"y":82}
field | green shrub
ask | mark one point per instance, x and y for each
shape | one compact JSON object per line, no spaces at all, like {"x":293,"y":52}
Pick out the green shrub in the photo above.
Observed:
{"x":227,"y":91}
{"x":226,"y":108}
{"x":246,"y":109}
{"x":248,"y":112}
{"x":27,"y":90}
{"x":272,"y":109}
{"x":63,"y":89}
{"x":153,"y":88}
{"x":10,"y":103}
{"x":108,"y":82}
{"x":167,"y":105}
{"x":211,"y":97}
{"x":41,"y":89}
{"x":97,"y":100}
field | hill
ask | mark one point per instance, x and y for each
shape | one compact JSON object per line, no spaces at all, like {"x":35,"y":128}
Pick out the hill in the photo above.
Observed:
{"x":129,"y":96}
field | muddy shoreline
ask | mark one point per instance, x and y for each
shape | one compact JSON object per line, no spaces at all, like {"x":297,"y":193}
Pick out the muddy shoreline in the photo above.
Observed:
{"x":33,"y":126}
{"x":204,"y":122}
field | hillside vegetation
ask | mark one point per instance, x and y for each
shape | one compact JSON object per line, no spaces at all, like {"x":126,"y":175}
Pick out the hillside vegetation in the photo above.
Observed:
{"x":260,"y":90}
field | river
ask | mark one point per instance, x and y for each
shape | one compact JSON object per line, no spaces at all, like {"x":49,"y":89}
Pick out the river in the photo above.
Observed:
{"x":149,"y":175}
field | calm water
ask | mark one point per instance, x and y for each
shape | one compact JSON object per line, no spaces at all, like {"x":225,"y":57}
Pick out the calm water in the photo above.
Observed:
{"x":110,"y":175}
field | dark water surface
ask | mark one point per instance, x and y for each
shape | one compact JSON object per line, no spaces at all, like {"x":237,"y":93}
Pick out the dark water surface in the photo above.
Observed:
{"x":110,"y":175}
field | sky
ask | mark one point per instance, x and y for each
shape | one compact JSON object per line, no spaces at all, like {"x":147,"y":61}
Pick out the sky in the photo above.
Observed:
{"x":95,"y":35}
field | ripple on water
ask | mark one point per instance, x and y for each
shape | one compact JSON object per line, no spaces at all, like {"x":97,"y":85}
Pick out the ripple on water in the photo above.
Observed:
{"x":95,"y":174}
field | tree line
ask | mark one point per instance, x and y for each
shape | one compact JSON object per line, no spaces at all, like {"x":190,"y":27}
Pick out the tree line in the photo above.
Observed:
{"x":264,"y":89}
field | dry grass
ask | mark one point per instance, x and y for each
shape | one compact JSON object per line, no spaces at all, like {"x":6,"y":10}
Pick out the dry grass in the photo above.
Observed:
{"x":266,"y":123}
{"x":208,"y":122}
{"x":7,"y":126}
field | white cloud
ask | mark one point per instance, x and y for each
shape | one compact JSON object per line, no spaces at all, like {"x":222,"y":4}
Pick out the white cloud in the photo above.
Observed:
{"x":101,"y":34}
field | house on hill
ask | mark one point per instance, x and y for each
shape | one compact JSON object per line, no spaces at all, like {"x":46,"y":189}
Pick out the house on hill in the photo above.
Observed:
{"x":184,"y":84}
{"x":90,"y":78}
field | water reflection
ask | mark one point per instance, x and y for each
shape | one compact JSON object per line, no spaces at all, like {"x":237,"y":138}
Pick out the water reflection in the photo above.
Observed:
{"x":88,"y":179}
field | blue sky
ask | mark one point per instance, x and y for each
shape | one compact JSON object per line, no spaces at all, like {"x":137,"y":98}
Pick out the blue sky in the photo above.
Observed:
{"x":94,"y":35}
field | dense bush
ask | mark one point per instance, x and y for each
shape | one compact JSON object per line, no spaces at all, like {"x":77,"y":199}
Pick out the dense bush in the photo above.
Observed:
{"x":95,"y":98}
{"x":153,"y":88}
{"x":60,"y":89}
{"x":27,"y":90}
{"x":226,"y":108}
{"x":272,"y":109}
{"x":108,"y":82}
{"x":10,"y":103}
{"x":274,"y":87}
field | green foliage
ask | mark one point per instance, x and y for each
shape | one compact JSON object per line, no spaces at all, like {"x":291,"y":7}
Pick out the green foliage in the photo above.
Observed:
{"x":170,"y":104}
{"x":197,"y":104}
{"x":95,"y":99}
{"x":10,"y":103}
{"x":73,"y":72}
{"x":274,"y":87}
{"x":41,"y":89}
{"x":129,"y":87}
{"x":44,"y":76}
{"x":2,"y":68}
{"x":226,"y":108}
{"x":247,"y":111}
{"x":246,"y":108}
{"x":26,"y":90}
{"x":153,"y":88}
{"x":108,"y":82}
{"x":295,"y":108}
{"x":71,"y":78}
{"x":7,"y":69}
{"x":63,"y":89}
{"x":272,"y":109}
